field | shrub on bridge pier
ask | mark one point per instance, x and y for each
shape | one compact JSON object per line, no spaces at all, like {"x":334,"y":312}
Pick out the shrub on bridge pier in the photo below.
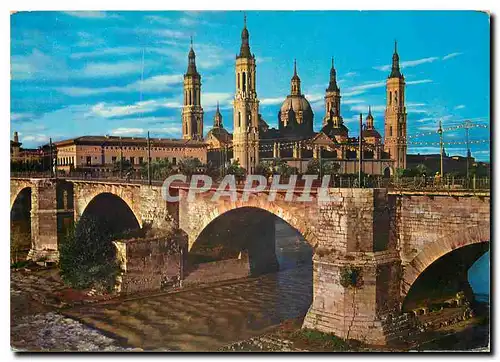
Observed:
{"x":87,"y":256}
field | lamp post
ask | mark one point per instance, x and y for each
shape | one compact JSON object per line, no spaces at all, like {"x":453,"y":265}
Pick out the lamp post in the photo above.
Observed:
{"x":121,"y":158}
{"x":360,"y":148}
{"x":440,"y":131}
{"x":149,"y":161}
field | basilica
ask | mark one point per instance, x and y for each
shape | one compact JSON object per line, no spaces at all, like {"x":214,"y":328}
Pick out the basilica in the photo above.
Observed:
{"x":295,"y":139}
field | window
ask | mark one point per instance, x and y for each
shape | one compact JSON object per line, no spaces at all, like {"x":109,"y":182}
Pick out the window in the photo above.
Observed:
{"x":390,"y":131}
{"x":244,"y":82}
{"x":238,"y":78}
{"x":239,"y":119}
{"x":390,"y":98}
{"x":174,"y":160}
{"x":396,"y":98}
{"x":141,"y":160}
{"x":132,"y":160}
{"x":89,"y":160}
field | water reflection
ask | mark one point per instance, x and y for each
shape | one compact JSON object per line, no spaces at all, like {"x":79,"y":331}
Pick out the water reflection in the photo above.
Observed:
{"x":205,"y":319}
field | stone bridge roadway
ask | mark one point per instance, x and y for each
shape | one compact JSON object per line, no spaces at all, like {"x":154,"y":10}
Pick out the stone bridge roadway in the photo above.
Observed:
{"x":391,"y":237}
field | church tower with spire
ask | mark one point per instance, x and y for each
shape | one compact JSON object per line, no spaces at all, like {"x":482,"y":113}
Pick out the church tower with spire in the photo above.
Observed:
{"x":192,"y":112}
{"x":246,"y":107}
{"x":395,"y":142}
{"x":332,"y":101}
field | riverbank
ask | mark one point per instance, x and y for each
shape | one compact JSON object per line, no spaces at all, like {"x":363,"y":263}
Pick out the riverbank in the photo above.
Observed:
{"x":259,"y":314}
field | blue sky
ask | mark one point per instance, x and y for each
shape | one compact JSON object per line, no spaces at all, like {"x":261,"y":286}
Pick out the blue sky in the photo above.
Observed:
{"x":79,"y":73}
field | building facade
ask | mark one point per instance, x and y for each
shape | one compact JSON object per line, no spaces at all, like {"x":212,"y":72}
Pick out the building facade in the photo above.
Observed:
{"x":103,"y":152}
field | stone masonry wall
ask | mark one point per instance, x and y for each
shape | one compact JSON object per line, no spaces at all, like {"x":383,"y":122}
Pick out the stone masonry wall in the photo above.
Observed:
{"x":348,"y":240}
{"x":150,"y":264}
{"x":428,"y":227}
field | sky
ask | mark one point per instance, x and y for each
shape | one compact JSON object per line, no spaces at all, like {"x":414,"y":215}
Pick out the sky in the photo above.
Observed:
{"x":83,"y":73}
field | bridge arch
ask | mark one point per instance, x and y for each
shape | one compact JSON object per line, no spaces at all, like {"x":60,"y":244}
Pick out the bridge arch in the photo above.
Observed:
{"x":432,"y":252}
{"x":296,"y":218}
{"x":16,"y":187}
{"x":112,"y":208}
{"x":85,"y":193}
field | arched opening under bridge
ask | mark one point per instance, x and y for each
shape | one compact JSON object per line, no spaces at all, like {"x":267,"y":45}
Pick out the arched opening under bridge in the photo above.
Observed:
{"x":445,"y":284}
{"x":20,"y":225}
{"x":269,"y":260}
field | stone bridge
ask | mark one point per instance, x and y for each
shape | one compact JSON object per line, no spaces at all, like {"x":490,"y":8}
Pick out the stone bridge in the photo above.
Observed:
{"x":388,"y":238}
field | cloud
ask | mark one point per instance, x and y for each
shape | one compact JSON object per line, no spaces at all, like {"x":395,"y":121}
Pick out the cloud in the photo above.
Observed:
{"x":39,"y":138}
{"x":364,"y":108}
{"x":158,"y":19}
{"x":114,"y":111}
{"x":104,"y":52}
{"x":360,"y":89}
{"x":422,"y":81}
{"x":209,"y":100}
{"x":271,"y":101}
{"x":353,"y":101}
{"x":36,"y":64}
{"x":123,"y":131}
{"x":408,"y":63}
{"x":108,"y":70}
{"x":426,"y":119}
{"x":158,"y":83}
{"x":20,"y":117}
{"x":171,"y":34}
{"x":460,"y":106}
{"x":350,"y":74}
{"x":91,"y":14}
{"x":451,"y":55}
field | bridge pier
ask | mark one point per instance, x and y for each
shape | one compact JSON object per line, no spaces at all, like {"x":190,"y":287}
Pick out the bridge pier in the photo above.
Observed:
{"x":357,"y":269}
{"x":44,"y":221}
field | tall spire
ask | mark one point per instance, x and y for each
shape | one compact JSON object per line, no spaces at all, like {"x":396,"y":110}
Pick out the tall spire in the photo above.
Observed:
{"x":332,"y":86}
{"x":245,"y":45}
{"x":369,"y":118}
{"x":295,"y":83}
{"x":218,"y":118}
{"x":191,"y":61}
{"x":395,"y":72}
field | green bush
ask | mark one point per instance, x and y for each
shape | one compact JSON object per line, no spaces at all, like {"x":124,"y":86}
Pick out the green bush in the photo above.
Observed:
{"x":320,"y":340}
{"x":87,"y":256}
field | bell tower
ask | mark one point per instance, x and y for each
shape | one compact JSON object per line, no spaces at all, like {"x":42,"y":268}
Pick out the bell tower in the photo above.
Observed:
{"x":192,"y":113}
{"x":395,"y":142}
{"x":246,"y":108}
{"x":332,"y":100}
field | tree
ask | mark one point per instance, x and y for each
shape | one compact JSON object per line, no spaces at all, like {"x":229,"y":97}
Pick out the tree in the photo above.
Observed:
{"x":190,"y":166}
{"x":282,"y":168}
{"x":87,"y":255}
{"x":126,"y":165}
{"x":236,"y":170}
{"x":264,"y":168}
{"x":331,"y":168}
{"x":422,"y":169}
{"x":313,"y":167}
{"x":160,"y":169}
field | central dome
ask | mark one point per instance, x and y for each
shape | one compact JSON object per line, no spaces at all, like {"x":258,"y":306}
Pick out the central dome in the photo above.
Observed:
{"x":298,"y":103}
